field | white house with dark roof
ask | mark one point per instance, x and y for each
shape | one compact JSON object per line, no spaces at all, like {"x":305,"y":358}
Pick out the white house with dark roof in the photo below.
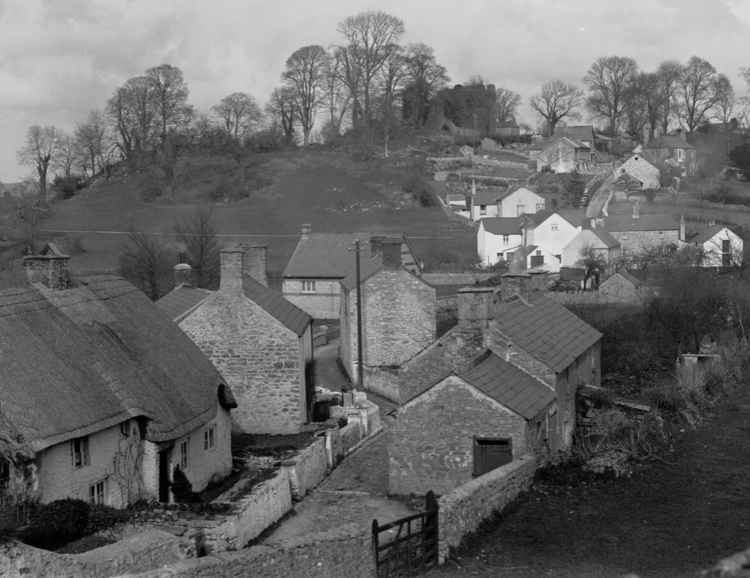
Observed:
{"x":498,"y":238}
{"x":320,"y":261}
{"x":720,"y":247}
{"x":640,"y":169}
{"x":261,"y":342}
{"x":510,"y":203}
{"x":552,"y":231}
{"x":104,"y":392}
{"x":597,"y":241}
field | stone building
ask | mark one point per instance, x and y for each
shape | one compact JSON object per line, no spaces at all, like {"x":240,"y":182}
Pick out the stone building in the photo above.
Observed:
{"x":639,"y":232}
{"x":320,"y":261}
{"x":260,"y":342}
{"x":398,"y":314}
{"x":565,"y":155}
{"x":596,"y":242}
{"x":624,"y":287}
{"x":101,"y":394}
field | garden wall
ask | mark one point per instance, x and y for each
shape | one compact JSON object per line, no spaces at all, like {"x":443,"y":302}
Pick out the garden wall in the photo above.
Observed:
{"x":147,"y":549}
{"x":341,"y":553}
{"x":308,"y":468}
{"x":463,"y":509}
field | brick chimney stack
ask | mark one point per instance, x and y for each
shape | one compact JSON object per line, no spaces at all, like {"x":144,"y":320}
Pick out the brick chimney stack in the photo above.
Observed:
{"x":49,"y":267}
{"x":183,"y":275}
{"x":256,"y":263}
{"x":232,"y":266}
{"x":475,"y":305}
{"x":390,"y":250}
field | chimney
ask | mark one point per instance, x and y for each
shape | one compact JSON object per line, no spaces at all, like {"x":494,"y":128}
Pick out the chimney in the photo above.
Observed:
{"x":183,"y":275}
{"x":389,"y":248}
{"x":473,"y":188}
{"x":636,"y":209}
{"x":49,"y":267}
{"x":306,"y":230}
{"x":682,"y":227}
{"x":232,"y":265}
{"x":256,"y":263}
{"x":475,"y":305}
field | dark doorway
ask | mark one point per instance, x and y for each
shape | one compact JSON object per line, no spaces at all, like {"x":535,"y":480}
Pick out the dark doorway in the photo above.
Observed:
{"x":164,"y":476}
{"x":491,"y":453}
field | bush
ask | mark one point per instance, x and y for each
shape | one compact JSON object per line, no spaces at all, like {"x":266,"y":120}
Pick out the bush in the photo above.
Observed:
{"x":417,"y":186}
{"x":57,"y":523}
{"x":68,"y":186}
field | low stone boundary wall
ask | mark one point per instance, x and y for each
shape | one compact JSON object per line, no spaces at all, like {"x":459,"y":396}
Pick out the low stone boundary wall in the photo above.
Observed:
{"x":148,"y":549}
{"x":467,"y":278}
{"x":462,"y":510}
{"x":308,"y":468}
{"x":341,"y":553}
{"x":266,"y":504}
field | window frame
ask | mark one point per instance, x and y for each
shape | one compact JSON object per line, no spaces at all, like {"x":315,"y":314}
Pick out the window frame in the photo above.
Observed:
{"x":209,"y":438}
{"x":98,"y":492}
{"x":308,"y":286}
{"x":79,"y":451}
{"x":184,"y":453}
{"x":482,"y":209}
{"x":555,"y":227}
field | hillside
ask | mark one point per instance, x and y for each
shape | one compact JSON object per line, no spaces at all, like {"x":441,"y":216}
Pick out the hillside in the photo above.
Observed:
{"x":265,"y":198}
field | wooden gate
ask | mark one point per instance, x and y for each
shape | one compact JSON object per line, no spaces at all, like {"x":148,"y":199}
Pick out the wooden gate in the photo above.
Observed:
{"x":407,"y":546}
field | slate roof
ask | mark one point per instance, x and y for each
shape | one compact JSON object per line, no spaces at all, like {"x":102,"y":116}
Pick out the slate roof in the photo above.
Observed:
{"x":609,"y":241}
{"x":509,"y":386}
{"x":502,"y":225}
{"x":331,"y":255}
{"x":582,"y":133}
{"x":78,"y":360}
{"x":645,"y":222}
{"x":487,"y":197}
{"x":545,"y":330}
{"x":707,"y":234}
{"x":574,"y":216}
{"x":183,"y":300}
{"x":668,"y":142}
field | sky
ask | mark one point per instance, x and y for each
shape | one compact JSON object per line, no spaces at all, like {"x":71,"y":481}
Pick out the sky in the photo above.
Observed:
{"x":60,"y":59}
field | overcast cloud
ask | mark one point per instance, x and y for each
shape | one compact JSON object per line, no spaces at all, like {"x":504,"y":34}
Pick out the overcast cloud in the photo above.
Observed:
{"x":61,"y":58}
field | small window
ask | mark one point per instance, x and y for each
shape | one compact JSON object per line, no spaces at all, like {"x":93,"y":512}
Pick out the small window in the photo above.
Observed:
{"x":209,"y":437}
{"x":491,"y":453}
{"x":482,"y":209}
{"x":555,"y":227}
{"x":539,"y":207}
{"x":183,"y":454}
{"x":80,"y":450}
{"x":680,"y":155}
{"x":537,"y":260}
{"x":97,"y":492}
{"x":308,"y":285}
{"x":559,"y":258}
{"x":506,"y":239}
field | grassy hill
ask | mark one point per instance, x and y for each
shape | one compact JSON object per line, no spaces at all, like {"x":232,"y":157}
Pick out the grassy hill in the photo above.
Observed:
{"x":265,"y":198}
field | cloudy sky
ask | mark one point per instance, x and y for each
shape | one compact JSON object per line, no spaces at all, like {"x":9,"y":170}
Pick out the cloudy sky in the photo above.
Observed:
{"x":62,"y":58}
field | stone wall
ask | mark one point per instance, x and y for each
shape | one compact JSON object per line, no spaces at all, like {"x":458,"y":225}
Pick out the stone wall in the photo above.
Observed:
{"x":147,"y":549}
{"x":259,"y":357}
{"x":323,"y":303}
{"x":431,"y":445}
{"x":633,"y":242}
{"x":341,"y":553}
{"x":462,"y":510}
{"x":268,"y":502}
{"x":308,"y":468}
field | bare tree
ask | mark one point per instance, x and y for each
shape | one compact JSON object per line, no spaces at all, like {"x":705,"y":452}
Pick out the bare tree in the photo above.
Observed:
{"x":697,"y":92}
{"x":39,"y":150}
{"x":239,"y":113}
{"x":507,"y":103}
{"x":146,"y":263}
{"x":90,"y":137}
{"x":557,"y":100}
{"x":336,"y":95}
{"x":725,"y":100}
{"x":425,"y":77}
{"x":67,"y":154}
{"x":668,"y":73}
{"x":169,"y":99}
{"x":282,"y":110}
{"x":197,"y":233}
{"x":371,"y":37}
{"x":391,"y":78}
{"x":305,"y":78}
{"x":608,"y":79}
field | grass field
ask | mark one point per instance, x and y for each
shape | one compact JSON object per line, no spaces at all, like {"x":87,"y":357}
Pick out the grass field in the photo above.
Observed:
{"x":282,"y":191}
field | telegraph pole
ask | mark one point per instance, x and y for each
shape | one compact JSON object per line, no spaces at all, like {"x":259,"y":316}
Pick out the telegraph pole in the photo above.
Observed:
{"x":360,"y":364}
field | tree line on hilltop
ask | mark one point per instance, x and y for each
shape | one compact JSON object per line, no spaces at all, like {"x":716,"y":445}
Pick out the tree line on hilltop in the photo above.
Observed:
{"x":371,"y":86}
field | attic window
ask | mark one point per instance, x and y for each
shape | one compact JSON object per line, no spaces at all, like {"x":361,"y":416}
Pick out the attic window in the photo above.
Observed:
{"x":555,"y":227}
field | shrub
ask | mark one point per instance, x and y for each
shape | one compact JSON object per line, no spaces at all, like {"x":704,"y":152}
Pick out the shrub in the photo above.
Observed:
{"x":57,"y":523}
{"x":68,"y":186}
{"x":417,"y":186}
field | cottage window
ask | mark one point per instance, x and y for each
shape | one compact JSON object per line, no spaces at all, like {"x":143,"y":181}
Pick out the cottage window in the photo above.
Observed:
{"x":97,"y":492}
{"x":80,"y":450}
{"x":491,"y":453}
{"x":559,"y":258}
{"x":680,"y":155}
{"x":209,"y":437}
{"x":554,"y":227}
{"x":482,"y":209}
{"x":506,"y":239}
{"x":539,"y":207}
{"x":537,"y":260}
{"x":308,"y":285}
{"x":183,"y":454}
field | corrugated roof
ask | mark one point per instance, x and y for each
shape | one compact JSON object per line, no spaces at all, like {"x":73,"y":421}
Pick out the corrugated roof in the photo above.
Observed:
{"x":546,"y":330}
{"x":502,"y":225}
{"x":509,"y":386}
{"x":78,"y":360}
{"x":274,"y":303}
{"x":181,"y":300}
{"x":645,"y":222}
{"x":331,"y":255}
